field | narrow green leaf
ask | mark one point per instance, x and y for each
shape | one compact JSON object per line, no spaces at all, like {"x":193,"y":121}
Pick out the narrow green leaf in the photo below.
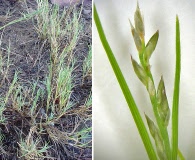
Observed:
{"x":175,"y":108}
{"x":157,"y":138}
{"x":125,"y":89}
{"x":140,"y":72}
{"x":163,"y":106}
{"x":139,"y":23}
{"x":150,"y":47}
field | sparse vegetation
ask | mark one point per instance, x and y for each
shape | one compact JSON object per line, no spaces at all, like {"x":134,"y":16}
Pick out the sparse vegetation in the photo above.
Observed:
{"x":45,"y":120}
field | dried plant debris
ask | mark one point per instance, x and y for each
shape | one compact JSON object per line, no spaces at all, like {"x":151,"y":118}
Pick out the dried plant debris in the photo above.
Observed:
{"x":45,"y":93}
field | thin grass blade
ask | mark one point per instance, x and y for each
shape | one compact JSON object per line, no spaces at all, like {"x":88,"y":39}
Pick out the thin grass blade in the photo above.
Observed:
{"x":175,"y":107}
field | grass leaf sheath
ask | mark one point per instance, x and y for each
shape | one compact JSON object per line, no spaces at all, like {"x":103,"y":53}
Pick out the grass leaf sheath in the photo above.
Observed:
{"x":175,"y":109}
{"x":125,"y":89}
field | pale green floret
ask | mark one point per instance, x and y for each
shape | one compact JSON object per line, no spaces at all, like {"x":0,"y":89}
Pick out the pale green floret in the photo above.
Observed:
{"x":139,"y":23}
{"x":136,"y":38}
{"x":163,"y":106}
{"x":150,"y":47}
{"x":151,"y":88}
{"x":140,"y":72}
{"x":157,"y":138}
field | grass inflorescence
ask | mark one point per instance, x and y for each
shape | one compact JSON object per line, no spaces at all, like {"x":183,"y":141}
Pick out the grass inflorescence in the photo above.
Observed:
{"x":158,"y":128}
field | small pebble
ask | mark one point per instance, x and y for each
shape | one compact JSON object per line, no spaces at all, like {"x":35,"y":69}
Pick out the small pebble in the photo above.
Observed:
{"x":86,"y":11}
{"x":69,"y":2}
{"x":64,"y":2}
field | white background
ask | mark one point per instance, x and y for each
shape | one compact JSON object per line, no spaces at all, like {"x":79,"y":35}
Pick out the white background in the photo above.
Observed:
{"x":115,"y":134}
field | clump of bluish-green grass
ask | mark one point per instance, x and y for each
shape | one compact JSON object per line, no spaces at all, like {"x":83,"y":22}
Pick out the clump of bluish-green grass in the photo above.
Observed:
{"x":32,"y":147}
{"x":55,"y":27}
{"x":44,"y":105}
{"x":83,"y":133}
{"x":165,"y":149}
{"x":87,"y":65}
{"x":5,"y":64}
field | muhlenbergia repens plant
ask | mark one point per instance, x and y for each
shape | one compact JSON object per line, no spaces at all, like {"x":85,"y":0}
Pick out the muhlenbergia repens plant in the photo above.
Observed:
{"x":165,"y":148}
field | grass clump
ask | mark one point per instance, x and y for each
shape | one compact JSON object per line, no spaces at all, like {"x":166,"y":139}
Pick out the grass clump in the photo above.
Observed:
{"x":58,"y":92}
{"x":31,"y":147}
{"x":83,"y":135}
{"x":54,"y":27}
{"x":44,"y":118}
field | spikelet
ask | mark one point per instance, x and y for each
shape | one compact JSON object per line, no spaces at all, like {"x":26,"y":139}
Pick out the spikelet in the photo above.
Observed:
{"x":136,"y":38}
{"x":150,"y":47}
{"x":157,"y":138}
{"x":139,"y":23}
{"x":163,"y":106}
{"x":151,"y":88}
{"x":140,"y":72}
